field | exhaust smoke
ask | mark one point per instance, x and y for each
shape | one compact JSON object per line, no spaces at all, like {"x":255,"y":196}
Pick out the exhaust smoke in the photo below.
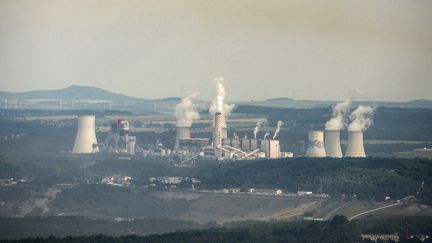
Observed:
{"x":186,"y":111}
{"x":339,"y":116}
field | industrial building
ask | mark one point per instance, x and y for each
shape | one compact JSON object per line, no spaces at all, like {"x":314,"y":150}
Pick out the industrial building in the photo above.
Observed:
{"x":118,"y":139}
{"x":222,"y":147}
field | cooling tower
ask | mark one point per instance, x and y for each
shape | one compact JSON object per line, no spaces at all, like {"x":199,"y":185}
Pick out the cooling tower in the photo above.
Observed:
{"x":316,"y":144}
{"x":332,"y":143}
{"x":218,"y":129}
{"x":181,"y":133}
{"x":355,"y":144}
{"x":131,"y":146}
{"x":85,"y":140}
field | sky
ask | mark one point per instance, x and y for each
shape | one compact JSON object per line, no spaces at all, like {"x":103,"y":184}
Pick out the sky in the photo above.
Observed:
{"x":305,"y":49}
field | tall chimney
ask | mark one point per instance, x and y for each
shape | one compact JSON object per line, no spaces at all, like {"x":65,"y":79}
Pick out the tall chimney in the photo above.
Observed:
{"x":85,"y":140}
{"x":332,"y":143}
{"x":316,"y":144}
{"x":218,"y":129}
{"x":355,"y":144}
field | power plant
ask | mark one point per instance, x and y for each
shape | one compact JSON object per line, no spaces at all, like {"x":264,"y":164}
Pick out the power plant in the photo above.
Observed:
{"x":355,"y":144}
{"x":315,"y":144}
{"x":85,"y":140}
{"x":220,"y":146}
{"x":332,"y":143}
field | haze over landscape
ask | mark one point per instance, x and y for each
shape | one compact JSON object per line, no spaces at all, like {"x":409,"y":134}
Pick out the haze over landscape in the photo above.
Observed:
{"x":215,"y":121}
{"x":316,"y":50}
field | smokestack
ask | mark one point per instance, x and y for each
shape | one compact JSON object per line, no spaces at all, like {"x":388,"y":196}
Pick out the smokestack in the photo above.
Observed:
{"x":85,"y":140}
{"x":218,"y":130}
{"x":316,"y":144}
{"x":218,"y":105}
{"x":355,"y":144}
{"x":181,"y":133}
{"x":332,"y":143}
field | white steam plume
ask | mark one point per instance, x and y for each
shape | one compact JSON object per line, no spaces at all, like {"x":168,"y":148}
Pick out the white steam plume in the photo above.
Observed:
{"x":186,"y":111}
{"x":361,"y":118}
{"x":257,"y":127}
{"x":278,"y":127}
{"x":266,"y":135}
{"x":339,"y":117}
{"x":218,"y":104}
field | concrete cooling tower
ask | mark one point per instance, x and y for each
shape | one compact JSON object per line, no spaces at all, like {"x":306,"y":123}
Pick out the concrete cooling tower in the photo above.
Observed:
{"x":355,"y":144}
{"x":182,"y":133}
{"x":332,"y":143}
{"x":85,"y":140}
{"x":316,"y":144}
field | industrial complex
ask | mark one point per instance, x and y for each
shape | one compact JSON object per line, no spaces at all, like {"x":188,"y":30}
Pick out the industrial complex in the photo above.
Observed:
{"x":223,"y":147}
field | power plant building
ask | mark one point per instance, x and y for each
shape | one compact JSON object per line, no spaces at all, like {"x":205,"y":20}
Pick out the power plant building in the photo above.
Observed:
{"x":271,"y":148}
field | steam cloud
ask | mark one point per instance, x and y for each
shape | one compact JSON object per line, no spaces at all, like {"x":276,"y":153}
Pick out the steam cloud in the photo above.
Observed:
{"x":186,"y":111}
{"x":278,"y":127}
{"x":218,"y":104}
{"x":361,"y":118}
{"x":339,"y":117}
{"x":257,"y":127}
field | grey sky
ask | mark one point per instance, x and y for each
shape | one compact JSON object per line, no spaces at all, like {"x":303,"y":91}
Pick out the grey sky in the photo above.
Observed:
{"x":302,"y":49}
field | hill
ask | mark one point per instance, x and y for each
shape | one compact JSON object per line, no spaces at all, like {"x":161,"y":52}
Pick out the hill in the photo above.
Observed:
{"x":73,"y":92}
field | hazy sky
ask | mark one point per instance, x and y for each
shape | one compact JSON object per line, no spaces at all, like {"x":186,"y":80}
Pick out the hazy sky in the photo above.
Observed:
{"x":302,"y":49}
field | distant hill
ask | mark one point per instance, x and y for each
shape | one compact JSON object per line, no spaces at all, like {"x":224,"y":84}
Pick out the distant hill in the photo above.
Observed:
{"x":307,"y":104}
{"x":73,"y":92}
{"x":85,"y":97}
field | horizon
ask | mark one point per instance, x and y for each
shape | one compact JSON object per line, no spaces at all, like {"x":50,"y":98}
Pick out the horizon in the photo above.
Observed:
{"x":208,"y":100}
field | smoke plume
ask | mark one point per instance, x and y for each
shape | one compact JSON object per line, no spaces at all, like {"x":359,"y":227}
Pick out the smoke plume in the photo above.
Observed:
{"x":339,"y":117}
{"x":361,"y":118}
{"x":266,"y":135}
{"x":257,"y":127}
{"x":218,"y":104}
{"x":278,"y":127}
{"x":186,"y":111}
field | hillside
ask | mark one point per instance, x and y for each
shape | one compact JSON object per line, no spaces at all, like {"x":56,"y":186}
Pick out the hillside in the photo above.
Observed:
{"x":73,"y":92}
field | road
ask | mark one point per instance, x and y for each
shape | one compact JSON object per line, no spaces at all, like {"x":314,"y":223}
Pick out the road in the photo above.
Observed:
{"x":374,"y":210}
{"x":332,"y":213}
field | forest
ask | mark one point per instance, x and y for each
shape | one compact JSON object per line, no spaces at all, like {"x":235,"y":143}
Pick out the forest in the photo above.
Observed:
{"x":339,"y":229}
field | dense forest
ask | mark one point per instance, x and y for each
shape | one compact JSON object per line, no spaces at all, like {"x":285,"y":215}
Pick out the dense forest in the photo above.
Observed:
{"x":339,"y":229}
{"x":370,"y":178}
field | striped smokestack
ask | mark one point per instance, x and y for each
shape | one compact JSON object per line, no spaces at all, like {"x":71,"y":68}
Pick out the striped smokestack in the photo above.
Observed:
{"x":218,"y":129}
